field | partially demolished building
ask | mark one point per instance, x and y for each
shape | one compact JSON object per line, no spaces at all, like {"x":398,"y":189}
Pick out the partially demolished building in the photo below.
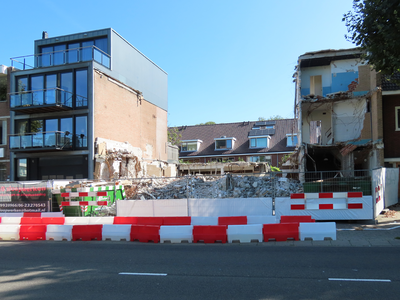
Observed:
{"x":339,"y":109}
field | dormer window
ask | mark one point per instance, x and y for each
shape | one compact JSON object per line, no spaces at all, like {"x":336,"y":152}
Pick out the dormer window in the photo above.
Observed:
{"x":291,"y":140}
{"x":224,"y":143}
{"x":190,"y":145}
{"x":259,"y":141}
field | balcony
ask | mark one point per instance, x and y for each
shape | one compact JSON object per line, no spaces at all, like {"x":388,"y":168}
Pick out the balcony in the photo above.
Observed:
{"x":62,"y":57}
{"x":39,"y":101}
{"x":50,"y":140}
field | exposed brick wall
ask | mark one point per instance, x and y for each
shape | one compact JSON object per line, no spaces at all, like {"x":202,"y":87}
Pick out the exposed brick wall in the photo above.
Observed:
{"x":119,"y":115}
{"x":391,"y":137}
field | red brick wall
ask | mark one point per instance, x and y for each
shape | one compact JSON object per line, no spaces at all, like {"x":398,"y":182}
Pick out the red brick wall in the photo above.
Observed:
{"x":391,"y":137}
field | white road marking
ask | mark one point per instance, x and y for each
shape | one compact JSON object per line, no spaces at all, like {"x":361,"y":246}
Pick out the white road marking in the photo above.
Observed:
{"x":144,"y":274}
{"x":356,"y":279}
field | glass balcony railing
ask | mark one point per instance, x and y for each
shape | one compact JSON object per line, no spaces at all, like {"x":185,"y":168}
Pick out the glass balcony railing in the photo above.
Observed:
{"x":50,"y":139}
{"x":62,"y":57}
{"x":49,"y":97}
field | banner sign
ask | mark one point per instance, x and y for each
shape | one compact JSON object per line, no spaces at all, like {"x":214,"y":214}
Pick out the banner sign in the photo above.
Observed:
{"x":24,"y":197}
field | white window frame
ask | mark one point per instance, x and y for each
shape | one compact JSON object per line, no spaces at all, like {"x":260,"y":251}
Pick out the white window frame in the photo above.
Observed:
{"x":289,"y":136}
{"x":232,"y":139}
{"x":258,"y":137}
{"x":198,"y":143}
{"x":396,"y":113}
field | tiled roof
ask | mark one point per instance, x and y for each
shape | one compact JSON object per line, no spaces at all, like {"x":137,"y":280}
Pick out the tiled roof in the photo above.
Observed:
{"x":389,"y":85}
{"x":240,"y":131}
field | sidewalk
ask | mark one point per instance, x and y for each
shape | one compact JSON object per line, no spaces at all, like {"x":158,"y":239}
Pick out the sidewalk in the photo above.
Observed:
{"x":384,"y":231}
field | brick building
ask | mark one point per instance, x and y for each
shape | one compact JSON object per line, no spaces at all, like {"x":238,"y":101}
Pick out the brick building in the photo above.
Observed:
{"x":253,"y":142}
{"x":78,"y":88}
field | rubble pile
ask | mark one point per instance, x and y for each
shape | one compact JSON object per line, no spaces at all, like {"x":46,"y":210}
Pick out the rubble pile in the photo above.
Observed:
{"x":212,"y":187}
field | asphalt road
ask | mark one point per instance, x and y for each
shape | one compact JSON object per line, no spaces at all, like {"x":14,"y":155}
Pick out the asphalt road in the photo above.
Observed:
{"x":92,"y":270}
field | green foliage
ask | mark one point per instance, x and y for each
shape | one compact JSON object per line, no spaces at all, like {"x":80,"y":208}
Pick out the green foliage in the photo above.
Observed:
{"x":174,"y":136}
{"x":285,"y":158}
{"x":240,"y":159}
{"x":275,"y":169}
{"x":207,"y":123}
{"x":374,"y":25}
{"x":271,"y":118}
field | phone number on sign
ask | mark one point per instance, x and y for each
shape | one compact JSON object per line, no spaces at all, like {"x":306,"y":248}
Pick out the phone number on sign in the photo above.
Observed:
{"x":22,"y":205}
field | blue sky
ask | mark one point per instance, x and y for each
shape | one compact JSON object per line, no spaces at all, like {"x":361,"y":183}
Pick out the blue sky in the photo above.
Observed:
{"x":227,"y":60}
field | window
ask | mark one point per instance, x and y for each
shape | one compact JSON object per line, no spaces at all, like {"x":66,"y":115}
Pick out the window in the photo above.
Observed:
{"x":190,"y":145}
{"x":3,"y":89}
{"x":224,"y":143}
{"x":3,"y":172}
{"x":67,"y":89}
{"x":3,"y":132}
{"x":75,"y":52}
{"x":261,"y":158}
{"x":291,"y":140}
{"x":397,"y":117}
{"x":259,"y":142}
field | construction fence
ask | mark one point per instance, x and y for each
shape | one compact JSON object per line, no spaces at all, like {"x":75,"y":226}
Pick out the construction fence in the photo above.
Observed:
{"x":90,"y":198}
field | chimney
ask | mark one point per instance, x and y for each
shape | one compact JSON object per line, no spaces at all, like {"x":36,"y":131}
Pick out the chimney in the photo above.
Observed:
{"x":45,"y":35}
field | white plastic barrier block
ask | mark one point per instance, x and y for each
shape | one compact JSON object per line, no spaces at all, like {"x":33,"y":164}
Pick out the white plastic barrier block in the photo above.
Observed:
{"x":245,"y":233}
{"x":52,"y":214}
{"x":101,"y":220}
{"x":262,"y":220}
{"x":59,"y":232}
{"x":116,"y":232}
{"x":204,"y":221}
{"x":76,"y":221}
{"x":317,"y":231}
{"x":12,"y":214}
{"x":9,"y":232}
{"x":176,"y":234}
{"x":230,"y":207}
{"x":10,"y":220}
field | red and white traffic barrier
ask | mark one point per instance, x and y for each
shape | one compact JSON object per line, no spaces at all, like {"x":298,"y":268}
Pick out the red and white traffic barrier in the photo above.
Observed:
{"x":102,"y":228}
{"x":326,"y":206}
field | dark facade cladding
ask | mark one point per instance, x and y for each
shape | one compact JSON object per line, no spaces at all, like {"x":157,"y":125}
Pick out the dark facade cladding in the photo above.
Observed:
{"x":52,"y":100}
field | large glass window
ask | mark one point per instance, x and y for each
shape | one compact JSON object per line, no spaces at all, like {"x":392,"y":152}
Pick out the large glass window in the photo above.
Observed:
{"x":59,"y":55}
{"x":81,"y":131}
{"x":37,"y":90}
{"x":46,"y":56}
{"x":87,"y":50}
{"x":51,"y":130}
{"x":66,"y":88}
{"x":22,"y":169}
{"x":73,"y":52}
{"x":51,"y":85}
{"x":36,"y":130}
{"x":81,"y":88}
{"x":65,"y":137}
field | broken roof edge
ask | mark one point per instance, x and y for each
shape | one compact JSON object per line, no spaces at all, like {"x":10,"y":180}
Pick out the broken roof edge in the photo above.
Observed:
{"x":331,"y":52}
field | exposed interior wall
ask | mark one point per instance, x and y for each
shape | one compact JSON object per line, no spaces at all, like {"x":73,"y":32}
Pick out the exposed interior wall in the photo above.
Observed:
{"x":306,"y":74}
{"x":348,"y":119}
{"x":129,"y":119}
{"x":318,"y":112}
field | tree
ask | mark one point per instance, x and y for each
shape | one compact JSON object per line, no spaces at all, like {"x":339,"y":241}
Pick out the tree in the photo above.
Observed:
{"x":207,"y":123}
{"x":271,"y":118}
{"x":174,"y":136}
{"x":374,"y":25}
